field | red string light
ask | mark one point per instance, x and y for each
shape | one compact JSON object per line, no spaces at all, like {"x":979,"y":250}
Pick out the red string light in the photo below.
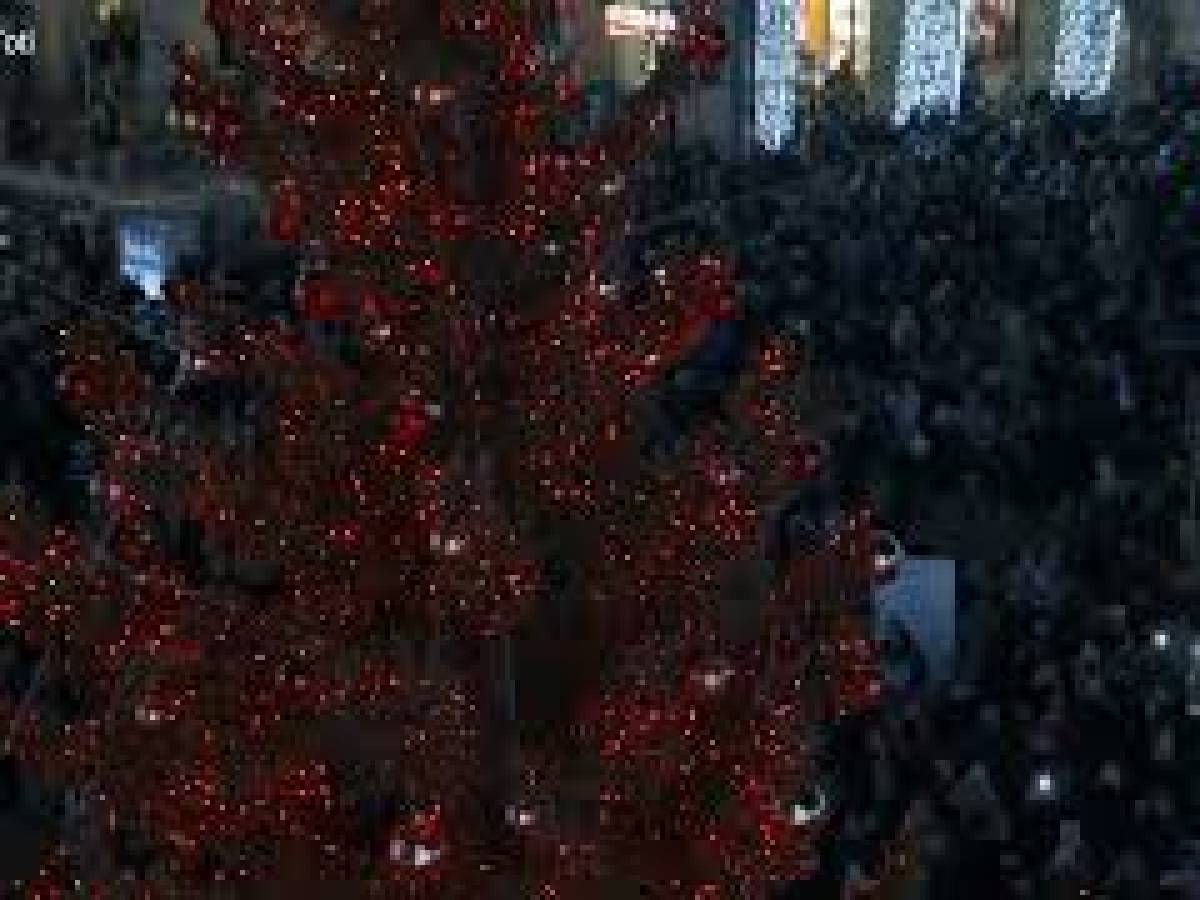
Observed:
{"x":373,"y":527}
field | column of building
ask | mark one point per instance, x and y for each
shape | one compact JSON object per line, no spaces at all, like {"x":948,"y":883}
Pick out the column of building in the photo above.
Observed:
{"x":58,"y":40}
{"x":886,"y":38}
{"x":1143,"y":48}
{"x":1183,"y":18}
{"x":162,"y":27}
{"x":1039,"y":23}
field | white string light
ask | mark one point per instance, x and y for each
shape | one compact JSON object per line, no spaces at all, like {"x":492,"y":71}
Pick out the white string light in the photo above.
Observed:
{"x":774,"y":73}
{"x":929,"y":74}
{"x":1085,"y":54}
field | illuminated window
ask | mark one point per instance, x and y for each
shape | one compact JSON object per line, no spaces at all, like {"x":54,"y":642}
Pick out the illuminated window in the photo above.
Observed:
{"x":144,"y":254}
{"x":106,"y":9}
{"x":149,"y":246}
{"x":849,"y":33}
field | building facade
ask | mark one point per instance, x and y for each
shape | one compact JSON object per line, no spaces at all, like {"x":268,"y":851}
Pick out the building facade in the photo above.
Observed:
{"x":616,"y":47}
{"x":887,"y":38}
{"x":98,"y":58}
{"x":162,"y":25}
{"x":1093,"y":47}
{"x":1038,"y":36}
{"x":1143,"y":46}
{"x":1183,"y":20}
{"x":832,"y":32}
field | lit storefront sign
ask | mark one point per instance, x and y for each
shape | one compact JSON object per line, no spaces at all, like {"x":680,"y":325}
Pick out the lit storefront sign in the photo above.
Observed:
{"x":830,"y":31}
{"x":635,"y":22}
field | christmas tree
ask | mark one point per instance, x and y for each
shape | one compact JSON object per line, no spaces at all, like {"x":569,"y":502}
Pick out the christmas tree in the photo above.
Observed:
{"x":405,"y":594}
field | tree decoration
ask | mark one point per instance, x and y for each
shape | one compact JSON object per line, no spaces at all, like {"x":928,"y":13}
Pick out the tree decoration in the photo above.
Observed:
{"x":329,"y":545}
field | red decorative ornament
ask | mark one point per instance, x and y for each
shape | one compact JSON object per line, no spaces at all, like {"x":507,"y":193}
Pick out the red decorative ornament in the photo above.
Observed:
{"x":703,"y":45}
{"x":426,"y":272}
{"x":858,"y":677}
{"x":322,"y":299}
{"x":407,"y":429}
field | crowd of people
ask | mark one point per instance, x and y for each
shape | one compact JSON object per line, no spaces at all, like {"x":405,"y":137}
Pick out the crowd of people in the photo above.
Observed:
{"x":993,"y":315}
{"x":1007,"y":313}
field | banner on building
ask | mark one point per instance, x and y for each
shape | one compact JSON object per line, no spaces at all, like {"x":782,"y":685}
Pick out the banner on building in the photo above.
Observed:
{"x":921,"y":599}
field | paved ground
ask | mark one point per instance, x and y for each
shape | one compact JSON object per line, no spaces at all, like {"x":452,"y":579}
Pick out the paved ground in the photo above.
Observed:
{"x":21,"y":842}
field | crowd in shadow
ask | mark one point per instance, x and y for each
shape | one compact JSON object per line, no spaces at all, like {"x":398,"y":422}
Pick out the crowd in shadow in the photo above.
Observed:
{"x":993,"y":315}
{"x":1007,"y":308}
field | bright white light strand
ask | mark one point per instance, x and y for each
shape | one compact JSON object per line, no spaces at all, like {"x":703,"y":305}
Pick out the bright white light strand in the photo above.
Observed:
{"x":849,"y":34}
{"x":774,"y":73}
{"x":929,"y":74}
{"x":1086,"y":52}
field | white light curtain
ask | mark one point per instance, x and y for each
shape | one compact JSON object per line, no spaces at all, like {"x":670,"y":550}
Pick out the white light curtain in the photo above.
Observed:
{"x":1086,"y":50}
{"x":930,"y":70}
{"x":774,"y":73}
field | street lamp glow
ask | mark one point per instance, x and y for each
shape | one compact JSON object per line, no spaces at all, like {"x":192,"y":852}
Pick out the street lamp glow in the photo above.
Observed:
{"x":1045,"y":785}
